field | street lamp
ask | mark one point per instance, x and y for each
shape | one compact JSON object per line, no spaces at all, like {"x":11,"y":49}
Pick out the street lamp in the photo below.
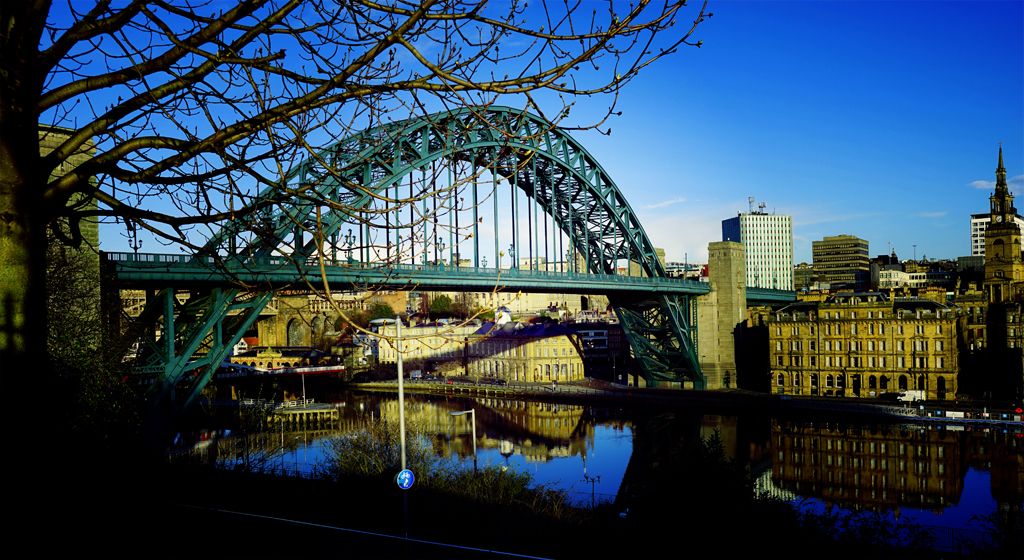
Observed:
{"x":472,"y":420}
{"x":401,"y":388}
{"x":484,"y":261}
{"x":592,"y":480}
{"x":350,"y":240}
{"x":512,"y":256}
{"x":133,"y":237}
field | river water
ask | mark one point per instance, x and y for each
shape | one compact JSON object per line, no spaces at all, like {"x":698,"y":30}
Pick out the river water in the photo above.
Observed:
{"x":949,"y":480}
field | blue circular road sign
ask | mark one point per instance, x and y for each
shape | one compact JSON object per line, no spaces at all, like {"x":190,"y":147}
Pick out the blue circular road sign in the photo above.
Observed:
{"x":405,"y":479}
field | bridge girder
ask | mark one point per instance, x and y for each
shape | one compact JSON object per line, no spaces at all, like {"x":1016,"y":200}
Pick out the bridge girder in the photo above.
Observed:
{"x":348,"y":183}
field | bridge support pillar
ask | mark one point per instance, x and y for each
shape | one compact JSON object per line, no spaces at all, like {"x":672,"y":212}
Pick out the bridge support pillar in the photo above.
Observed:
{"x":719,"y":312}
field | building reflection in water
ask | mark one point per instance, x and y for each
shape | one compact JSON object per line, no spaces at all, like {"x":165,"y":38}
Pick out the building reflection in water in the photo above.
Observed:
{"x":537,"y":431}
{"x":888,"y":466}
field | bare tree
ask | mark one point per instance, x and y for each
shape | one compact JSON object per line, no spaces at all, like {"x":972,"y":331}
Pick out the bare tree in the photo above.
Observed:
{"x":179,"y":113}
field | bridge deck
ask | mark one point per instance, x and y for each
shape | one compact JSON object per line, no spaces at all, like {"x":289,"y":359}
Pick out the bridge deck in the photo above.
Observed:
{"x":158,"y":270}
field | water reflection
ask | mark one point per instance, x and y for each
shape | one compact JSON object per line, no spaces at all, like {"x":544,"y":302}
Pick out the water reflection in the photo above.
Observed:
{"x":538,"y":431}
{"x":894,"y":465}
{"x":631,"y":455}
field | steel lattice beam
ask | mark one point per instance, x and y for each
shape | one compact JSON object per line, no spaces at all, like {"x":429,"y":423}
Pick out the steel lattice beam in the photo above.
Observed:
{"x":342,"y":183}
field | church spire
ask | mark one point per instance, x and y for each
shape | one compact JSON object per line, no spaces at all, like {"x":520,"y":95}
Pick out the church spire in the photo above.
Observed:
{"x":1000,"y":173}
{"x":1001,"y":200}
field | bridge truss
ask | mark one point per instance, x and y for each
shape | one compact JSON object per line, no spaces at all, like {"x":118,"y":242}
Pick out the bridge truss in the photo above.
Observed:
{"x":395,"y":195}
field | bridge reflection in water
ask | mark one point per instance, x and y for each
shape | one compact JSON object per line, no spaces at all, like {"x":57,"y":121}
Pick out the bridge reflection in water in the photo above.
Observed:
{"x":934,"y":476}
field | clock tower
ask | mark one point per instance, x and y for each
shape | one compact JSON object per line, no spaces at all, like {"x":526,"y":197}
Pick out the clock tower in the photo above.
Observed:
{"x":1003,"y":264}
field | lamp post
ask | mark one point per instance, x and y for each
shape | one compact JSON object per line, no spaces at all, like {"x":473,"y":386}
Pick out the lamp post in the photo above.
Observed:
{"x":350,"y":240}
{"x":133,"y":237}
{"x":472,"y":420}
{"x":401,"y":386}
{"x":512,"y":256}
{"x":592,"y":480}
{"x":484,"y":261}
{"x":457,"y":248}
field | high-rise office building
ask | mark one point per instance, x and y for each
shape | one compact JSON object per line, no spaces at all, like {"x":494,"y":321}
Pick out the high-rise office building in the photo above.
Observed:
{"x":979,"y":222}
{"x":842,"y":261}
{"x":767,"y":241}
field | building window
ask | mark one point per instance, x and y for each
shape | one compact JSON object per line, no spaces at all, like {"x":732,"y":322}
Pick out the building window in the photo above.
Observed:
{"x":938,"y":329}
{"x":780,"y":380}
{"x":938,"y":346}
{"x":778,"y":360}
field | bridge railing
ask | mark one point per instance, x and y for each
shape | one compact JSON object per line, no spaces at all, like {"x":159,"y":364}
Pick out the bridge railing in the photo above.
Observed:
{"x":386,"y":268}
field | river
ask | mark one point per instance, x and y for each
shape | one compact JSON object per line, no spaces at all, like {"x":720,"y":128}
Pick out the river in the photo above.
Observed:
{"x":951,"y":481}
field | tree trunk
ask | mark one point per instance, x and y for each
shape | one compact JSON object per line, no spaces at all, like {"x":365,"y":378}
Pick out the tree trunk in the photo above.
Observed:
{"x":23,"y":216}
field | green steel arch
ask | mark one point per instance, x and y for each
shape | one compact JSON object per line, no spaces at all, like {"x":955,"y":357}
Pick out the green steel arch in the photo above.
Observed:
{"x":338,"y":186}
{"x":544,"y":161}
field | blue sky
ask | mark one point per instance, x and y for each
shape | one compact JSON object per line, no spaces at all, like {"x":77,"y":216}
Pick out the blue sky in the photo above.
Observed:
{"x":877,"y":119}
{"x":869,"y":118}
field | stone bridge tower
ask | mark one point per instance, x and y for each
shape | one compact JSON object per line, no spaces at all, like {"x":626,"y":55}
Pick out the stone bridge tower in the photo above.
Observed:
{"x":719,"y":313}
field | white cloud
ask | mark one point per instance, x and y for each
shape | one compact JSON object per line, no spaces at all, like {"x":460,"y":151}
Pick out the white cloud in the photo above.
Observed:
{"x":665,"y":203}
{"x":1015,"y":183}
{"x":936,"y":214}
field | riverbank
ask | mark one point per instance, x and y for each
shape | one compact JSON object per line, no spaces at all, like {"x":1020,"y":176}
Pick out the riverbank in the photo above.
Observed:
{"x":592,"y":391}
